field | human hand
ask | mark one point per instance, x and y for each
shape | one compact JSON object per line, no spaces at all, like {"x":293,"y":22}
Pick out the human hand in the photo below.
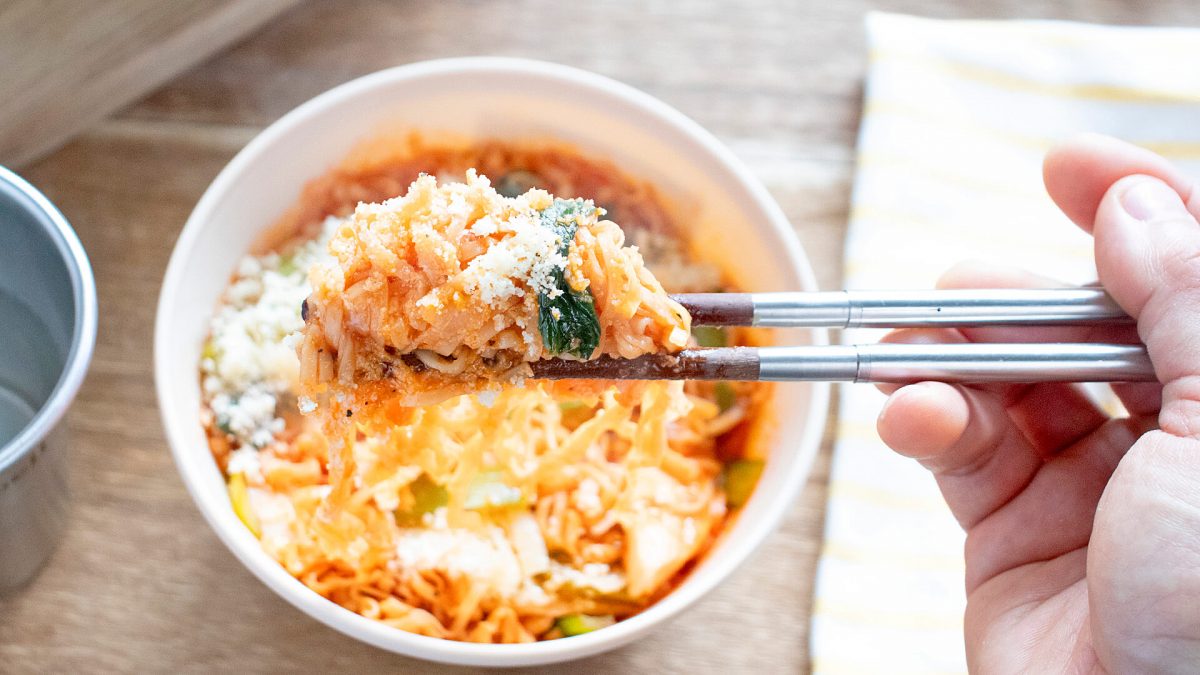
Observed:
{"x":1083,"y":531}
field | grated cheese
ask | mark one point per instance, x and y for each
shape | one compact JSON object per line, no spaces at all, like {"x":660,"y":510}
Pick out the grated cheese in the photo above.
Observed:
{"x":527,"y":257}
{"x":250,"y":360}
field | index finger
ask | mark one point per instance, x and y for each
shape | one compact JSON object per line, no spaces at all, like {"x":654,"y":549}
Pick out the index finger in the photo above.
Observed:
{"x":1080,"y":171}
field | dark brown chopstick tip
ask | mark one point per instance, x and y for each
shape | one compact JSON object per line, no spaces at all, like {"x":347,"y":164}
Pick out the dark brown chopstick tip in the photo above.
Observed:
{"x":726,"y":363}
{"x":718,"y":309}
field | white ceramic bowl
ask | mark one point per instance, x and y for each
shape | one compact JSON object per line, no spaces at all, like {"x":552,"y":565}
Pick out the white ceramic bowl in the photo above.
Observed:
{"x":505,"y":98}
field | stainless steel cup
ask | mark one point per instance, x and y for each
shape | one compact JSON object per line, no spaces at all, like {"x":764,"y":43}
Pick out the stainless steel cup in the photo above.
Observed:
{"x":47,"y":332}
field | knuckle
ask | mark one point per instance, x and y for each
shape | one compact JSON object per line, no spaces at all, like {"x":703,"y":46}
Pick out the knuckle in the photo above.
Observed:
{"x":1180,"y":415}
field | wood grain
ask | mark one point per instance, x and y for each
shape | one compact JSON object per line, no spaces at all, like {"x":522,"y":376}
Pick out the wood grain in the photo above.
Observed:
{"x":141,"y":583}
{"x":69,"y":63}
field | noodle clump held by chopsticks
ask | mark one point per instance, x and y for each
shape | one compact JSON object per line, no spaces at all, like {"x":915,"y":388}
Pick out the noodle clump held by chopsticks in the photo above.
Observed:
{"x":455,"y":288}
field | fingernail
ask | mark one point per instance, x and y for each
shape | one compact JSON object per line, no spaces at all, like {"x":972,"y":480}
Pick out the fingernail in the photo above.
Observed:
{"x":1149,"y":199}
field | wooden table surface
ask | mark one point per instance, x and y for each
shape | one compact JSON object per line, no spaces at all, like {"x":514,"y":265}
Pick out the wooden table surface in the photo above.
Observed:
{"x":141,"y":583}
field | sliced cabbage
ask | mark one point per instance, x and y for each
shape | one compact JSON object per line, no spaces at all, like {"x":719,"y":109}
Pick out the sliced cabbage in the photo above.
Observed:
{"x":666,"y":523}
{"x":527,"y":541}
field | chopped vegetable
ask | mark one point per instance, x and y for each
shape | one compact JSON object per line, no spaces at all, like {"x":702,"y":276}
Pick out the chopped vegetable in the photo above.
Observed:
{"x":239,"y":496}
{"x":489,"y":491}
{"x":740,"y":478}
{"x":518,"y":182}
{"x":578,"y":624}
{"x":710,"y":336}
{"x":575,"y":413}
{"x":726,"y":397}
{"x":209,"y":350}
{"x":287,"y":265}
{"x":427,"y":496}
{"x":568,"y":321}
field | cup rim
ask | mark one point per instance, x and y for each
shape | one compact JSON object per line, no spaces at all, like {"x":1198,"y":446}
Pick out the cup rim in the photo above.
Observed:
{"x":449,"y":651}
{"x":83,"y":333}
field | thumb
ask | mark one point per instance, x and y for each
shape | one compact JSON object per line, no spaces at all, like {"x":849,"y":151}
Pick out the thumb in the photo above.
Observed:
{"x":1148,"y":257}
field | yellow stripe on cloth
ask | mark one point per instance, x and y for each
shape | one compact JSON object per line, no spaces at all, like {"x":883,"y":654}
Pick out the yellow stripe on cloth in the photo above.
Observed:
{"x":847,"y":667}
{"x":917,"y":561}
{"x":890,"y":617}
{"x":870,"y":494}
{"x":993,"y":77}
{"x":1177,"y":43}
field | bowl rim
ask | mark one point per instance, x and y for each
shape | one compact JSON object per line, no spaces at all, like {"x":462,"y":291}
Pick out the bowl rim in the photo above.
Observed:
{"x":450,"y":651}
{"x":84,"y":321}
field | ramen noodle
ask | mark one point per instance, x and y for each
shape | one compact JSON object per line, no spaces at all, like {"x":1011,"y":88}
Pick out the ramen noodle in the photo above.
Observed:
{"x":522,"y":514}
{"x":454,"y":288}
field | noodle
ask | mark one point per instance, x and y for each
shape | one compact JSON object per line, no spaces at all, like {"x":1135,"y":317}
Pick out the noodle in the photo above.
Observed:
{"x":480,"y":518}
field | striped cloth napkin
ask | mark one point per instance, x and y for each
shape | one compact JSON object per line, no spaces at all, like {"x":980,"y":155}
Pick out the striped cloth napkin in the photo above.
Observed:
{"x":957,"y":117}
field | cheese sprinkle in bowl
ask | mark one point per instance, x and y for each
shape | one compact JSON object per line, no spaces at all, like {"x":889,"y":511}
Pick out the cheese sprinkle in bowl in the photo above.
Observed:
{"x":224,"y":363}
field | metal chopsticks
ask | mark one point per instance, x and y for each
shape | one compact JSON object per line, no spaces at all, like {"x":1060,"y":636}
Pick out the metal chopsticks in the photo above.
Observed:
{"x":901,"y":309}
{"x":898,"y":363}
